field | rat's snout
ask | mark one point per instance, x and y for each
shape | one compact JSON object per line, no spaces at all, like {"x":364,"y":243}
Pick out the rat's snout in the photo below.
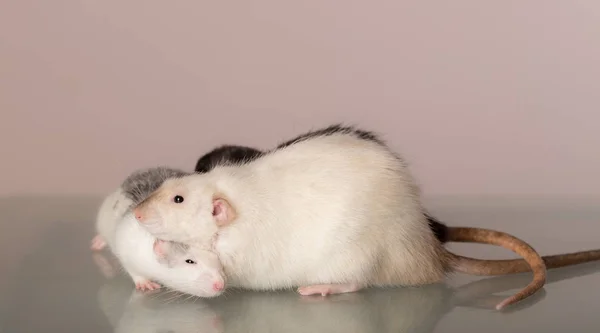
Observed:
{"x":218,"y":285}
{"x":139,"y":214}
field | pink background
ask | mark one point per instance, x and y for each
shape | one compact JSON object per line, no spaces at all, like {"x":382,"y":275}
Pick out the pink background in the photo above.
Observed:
{"x":482,"y":97}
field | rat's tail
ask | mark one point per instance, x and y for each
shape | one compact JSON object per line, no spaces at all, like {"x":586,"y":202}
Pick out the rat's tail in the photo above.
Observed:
{"x":531,"y":261}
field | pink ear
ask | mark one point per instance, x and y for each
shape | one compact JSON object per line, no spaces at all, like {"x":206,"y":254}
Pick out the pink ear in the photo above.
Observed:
{"x":158,"y":248}
{"x":222,"y":212}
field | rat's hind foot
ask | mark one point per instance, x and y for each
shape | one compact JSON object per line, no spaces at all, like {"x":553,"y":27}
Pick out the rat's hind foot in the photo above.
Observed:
{"x":98,"y":243}
{"x":328,"y":289}
{"x":144,"y":284}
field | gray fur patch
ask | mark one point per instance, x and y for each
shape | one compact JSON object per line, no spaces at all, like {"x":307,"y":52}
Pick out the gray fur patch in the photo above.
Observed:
{"x":141,"y":183}
{"x":175,"y":253}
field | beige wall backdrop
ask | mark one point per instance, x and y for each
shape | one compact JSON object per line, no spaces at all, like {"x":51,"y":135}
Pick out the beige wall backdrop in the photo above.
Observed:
{"x":482,"y":97}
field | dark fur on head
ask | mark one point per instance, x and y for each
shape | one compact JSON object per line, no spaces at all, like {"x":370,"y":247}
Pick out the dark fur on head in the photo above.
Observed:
{"x":141,"y":183}
{"x":226,"y":154}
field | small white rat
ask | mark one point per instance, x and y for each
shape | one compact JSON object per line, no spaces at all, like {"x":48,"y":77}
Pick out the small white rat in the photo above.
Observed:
{"x":140,"y":253}
{"x":331,"y":211}
{"x":129,"y":241}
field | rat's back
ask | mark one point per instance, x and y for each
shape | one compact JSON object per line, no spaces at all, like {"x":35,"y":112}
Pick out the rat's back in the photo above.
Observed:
{"x":329,"y":206}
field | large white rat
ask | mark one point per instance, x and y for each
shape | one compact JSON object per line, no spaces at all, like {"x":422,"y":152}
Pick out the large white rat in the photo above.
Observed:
{"x":331,"y":211}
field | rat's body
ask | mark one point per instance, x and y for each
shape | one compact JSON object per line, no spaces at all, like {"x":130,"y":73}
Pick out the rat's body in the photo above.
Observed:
{"x":139,"y":252}
{"x":331,"y":211}
{"x":309,"y":214}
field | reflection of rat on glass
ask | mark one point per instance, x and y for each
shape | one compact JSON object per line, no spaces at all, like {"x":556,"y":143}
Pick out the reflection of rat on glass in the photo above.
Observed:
{"x":331,"y":211}
{"x":415,"y":310}
{"x":397,"y":310}
{"x":130,"y":311}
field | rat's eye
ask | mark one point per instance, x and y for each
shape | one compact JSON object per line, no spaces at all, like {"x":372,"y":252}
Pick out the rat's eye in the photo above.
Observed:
{"x":178,"y":199}
{"x":190,"y":261}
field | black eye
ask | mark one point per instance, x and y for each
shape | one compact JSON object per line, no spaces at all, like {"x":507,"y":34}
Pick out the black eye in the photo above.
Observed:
{"x":178,"y":199}
{"x":190,"y":261}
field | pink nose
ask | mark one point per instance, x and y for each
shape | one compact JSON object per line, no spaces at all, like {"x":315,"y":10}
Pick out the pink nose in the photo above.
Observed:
{"x":218,"y":286}
{"x":138,"y":215}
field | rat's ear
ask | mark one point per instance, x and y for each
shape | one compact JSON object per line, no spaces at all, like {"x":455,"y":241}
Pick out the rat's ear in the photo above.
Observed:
{"x":223,"y":212}
{"x":160,"y":248}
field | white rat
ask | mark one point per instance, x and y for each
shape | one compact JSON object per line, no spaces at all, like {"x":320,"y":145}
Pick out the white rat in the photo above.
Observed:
{"x":115,"y":213}
{"x":141,"y":254}
{"x":331,"y":211}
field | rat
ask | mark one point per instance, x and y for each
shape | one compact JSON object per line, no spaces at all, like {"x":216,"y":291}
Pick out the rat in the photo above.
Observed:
{"x":331,"y":211}
{"x":140,"y":253}
{"x":116,"y":230}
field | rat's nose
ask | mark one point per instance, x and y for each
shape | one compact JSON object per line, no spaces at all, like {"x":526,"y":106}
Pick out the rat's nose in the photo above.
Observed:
{"x":218,"y":286}
{"x":138,"y":215}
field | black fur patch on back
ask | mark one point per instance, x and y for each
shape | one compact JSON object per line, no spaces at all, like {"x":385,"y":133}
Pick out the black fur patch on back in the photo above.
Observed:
{"x":226,"y":154}
{"x":439,"y":229}
{"x":141,"y":183}
{"x":331,"y":130}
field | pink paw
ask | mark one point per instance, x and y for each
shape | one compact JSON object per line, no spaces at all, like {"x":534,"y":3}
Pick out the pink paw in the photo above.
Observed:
{"x":328,"y":289}
{"x":98,"y":243}
{"x":146,"y":285}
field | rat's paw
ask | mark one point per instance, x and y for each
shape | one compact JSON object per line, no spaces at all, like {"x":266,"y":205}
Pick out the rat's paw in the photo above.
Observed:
{"x":98,"y":243}
{"x":328,"y":289}
{"x":146,"y":285}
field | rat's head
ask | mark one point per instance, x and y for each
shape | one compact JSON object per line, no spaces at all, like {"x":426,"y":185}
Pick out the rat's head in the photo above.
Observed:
{"x":192,"y":269}
{"x":185,"y":209}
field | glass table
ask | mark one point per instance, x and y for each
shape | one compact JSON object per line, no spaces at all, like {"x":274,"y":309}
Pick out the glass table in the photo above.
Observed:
{"x":52,"y":282}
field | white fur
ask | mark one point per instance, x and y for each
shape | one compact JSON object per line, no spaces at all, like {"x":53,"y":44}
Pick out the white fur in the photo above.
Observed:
{"x":133,"y":246}
{"x":329,"y":210}
{"x":111,"y":211}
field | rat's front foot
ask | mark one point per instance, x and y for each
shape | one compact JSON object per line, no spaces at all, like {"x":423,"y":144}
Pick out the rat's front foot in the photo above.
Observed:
{"x":146,"y":285}
{"x":98,"y":243}
{"x":328,"y":289}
